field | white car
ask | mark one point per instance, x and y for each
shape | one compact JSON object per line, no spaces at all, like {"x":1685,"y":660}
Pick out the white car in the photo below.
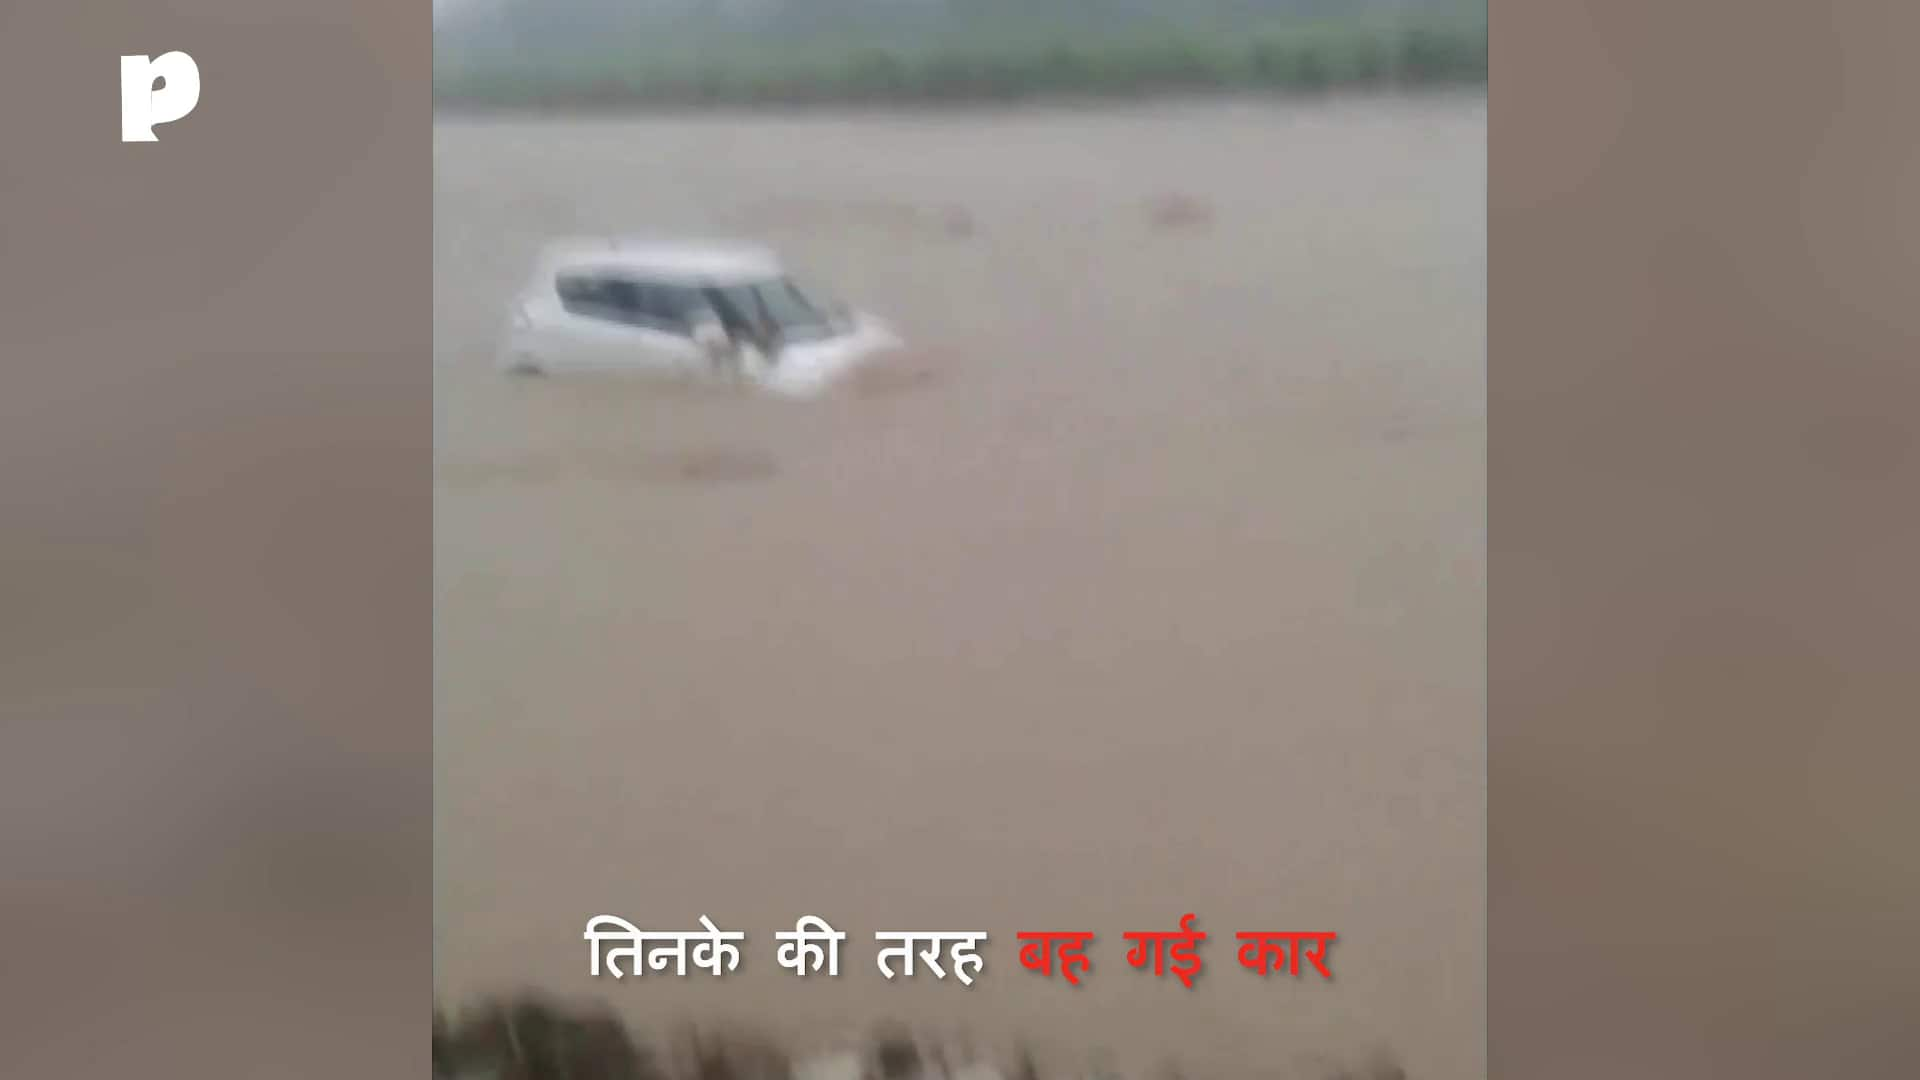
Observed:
{"x":725,"y":311}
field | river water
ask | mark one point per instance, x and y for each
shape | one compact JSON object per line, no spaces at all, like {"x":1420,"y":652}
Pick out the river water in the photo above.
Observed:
{"x":1153,"y":583}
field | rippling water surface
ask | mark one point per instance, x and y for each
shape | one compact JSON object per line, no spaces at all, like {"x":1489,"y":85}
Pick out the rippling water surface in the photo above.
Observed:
{"x":1153,"y":582}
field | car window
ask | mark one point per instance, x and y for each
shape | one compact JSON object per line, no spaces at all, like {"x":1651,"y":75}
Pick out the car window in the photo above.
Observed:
{"x":582,"y":294}
{"x":623,"y":299}
{"x":790,"y":308}
{"x":738,"y":305}
{"x":672,"y":306}
{"x":629,"y":301}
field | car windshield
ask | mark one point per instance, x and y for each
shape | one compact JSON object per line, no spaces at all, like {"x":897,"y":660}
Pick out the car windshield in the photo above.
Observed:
{"x":795,"y":314}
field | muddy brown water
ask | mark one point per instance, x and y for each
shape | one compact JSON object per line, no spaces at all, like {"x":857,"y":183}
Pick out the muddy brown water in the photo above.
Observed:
{"x":1152,"y":583}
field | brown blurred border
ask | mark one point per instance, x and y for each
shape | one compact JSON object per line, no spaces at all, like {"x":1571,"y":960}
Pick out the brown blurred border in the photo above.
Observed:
{"x":1704,"y":601}
{"x":215,"y":657}
{"x":215,"y":569}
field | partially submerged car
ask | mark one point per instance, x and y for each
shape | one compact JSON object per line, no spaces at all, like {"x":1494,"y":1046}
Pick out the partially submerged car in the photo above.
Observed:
{"x":685,"y":309}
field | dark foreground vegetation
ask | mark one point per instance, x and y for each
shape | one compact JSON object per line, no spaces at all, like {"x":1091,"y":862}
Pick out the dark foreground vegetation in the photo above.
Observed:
{"x":1014,"y":55}
{"x":528,"y":1037}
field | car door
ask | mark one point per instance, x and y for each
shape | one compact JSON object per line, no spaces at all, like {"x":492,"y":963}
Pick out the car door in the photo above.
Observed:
{"x":663,"y":326}
{"x":628,"y":340}
{"x":618,"y":321}
{"x":639,"y":327}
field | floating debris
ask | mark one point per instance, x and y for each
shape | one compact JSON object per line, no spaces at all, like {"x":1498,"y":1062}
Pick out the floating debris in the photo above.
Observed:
{"x":1177,"y":211}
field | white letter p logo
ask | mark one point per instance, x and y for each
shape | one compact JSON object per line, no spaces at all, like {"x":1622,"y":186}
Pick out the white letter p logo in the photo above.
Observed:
{"x":141,"y":106}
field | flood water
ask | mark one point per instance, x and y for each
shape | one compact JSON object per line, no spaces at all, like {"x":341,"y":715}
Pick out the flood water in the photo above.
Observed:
{"x":1154,"y":584}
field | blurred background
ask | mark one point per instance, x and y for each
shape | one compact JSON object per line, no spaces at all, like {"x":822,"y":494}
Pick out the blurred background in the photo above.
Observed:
{"x":615,"y":52}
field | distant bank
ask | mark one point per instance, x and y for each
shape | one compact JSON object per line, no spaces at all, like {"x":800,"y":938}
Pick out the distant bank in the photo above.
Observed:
{"x":1302,"y":59}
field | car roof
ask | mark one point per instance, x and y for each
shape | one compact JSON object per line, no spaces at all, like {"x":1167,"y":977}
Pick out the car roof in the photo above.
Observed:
{"x":673,"y":260}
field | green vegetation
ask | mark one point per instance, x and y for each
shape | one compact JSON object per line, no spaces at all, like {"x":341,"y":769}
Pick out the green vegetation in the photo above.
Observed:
{"x":689,"y":68}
